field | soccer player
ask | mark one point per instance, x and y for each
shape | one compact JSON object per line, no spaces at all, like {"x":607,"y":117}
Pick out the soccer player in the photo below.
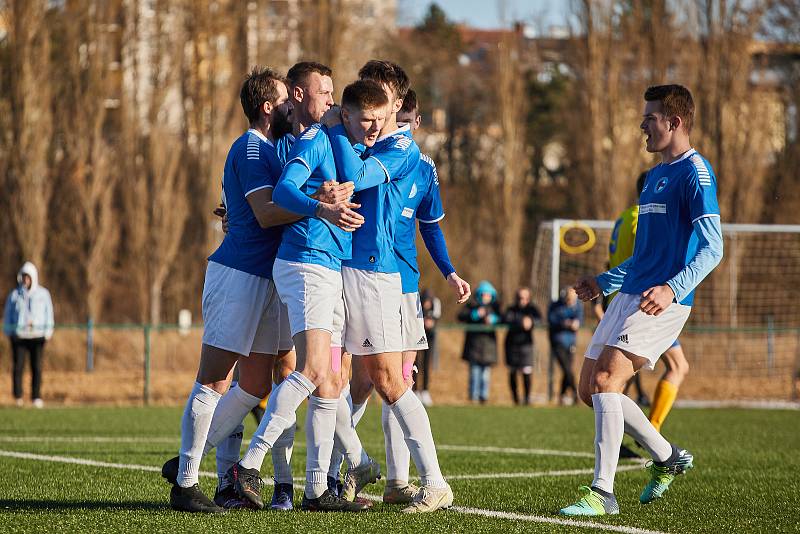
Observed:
{"x":372,"y":284}
{"x":423,"y":204}
{"x":241,"y":309}
{"x":308,"y":278}
{"x":678,"y":243}
{"x":620,"y":248}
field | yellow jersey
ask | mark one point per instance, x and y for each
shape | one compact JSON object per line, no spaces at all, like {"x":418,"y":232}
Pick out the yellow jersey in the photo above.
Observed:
{"x":623,"y":239}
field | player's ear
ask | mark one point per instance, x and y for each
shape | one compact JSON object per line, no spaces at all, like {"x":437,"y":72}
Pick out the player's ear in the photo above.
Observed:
{"x":267,"y":107}
{"x":398,"y":103}
{"x":675,"y":122}
{"x":298,"y":93}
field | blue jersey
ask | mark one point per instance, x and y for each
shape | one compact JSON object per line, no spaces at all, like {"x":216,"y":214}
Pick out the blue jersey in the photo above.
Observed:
{"x":283,"y":147}
{"x":252,"y":164}
{"x":674,"y":197}
{"x":424,"y":202}
{"x":311,"y":239}
{"x":373,"y":243}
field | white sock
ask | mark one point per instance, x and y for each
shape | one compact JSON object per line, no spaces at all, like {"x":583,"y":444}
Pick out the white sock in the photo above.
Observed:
{"x":358,"y":411}
{"x":320,"y":427}
{"x":398,"y":459}
{"x":280,"y":413}
{"x":228,"y":453}
{"x":346,"y":440}
{"x":233,"y":407}
{"x":282,"y":452}
{"x":609,"y":426}
{"x":194,"y":428}
{"x":413,"y":419}
{"x":642,"y":430}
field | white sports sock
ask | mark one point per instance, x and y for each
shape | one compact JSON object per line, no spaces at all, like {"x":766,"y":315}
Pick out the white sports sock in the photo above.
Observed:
{"x":194,"y":429}
{"x":233,"y":407}
{"x":228,"y":453}
{"x":279,"y":415}
{"x":282,"y":454}
{"x":413,"y":419}
{"x":642,"y":430}
{"x":398,"y":459}
{"x":609,"y":426}
{"x":320,"y":427}
{"x":358,"y":411}
{"x":346,"y":440}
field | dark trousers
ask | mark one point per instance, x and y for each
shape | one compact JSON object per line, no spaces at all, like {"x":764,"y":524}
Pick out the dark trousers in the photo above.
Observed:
{"x":526,"y":384}
{"x":34,"y":347}
{"x":423,"y":362}
{"x":563,"y":355}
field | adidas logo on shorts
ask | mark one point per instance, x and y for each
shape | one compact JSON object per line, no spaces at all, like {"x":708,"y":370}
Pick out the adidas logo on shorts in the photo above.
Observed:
{"x":366,"y":344}
{"x":623,"y":338}
{"x":422,"y":341}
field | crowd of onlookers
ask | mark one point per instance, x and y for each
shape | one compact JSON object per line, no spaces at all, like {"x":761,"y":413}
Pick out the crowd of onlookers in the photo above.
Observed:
{"x":482,"y":316}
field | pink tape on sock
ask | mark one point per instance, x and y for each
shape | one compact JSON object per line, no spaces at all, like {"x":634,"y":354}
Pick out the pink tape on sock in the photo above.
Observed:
{"x":336,"y":359}
{"x":408,"y":367}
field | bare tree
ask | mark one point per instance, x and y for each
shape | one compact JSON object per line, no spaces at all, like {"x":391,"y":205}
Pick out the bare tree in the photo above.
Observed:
{"x":26,"y":145}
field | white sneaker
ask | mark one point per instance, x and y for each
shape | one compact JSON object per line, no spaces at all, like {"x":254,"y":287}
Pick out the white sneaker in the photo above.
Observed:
{"x":20,"y":403}
{"x":38,"y":403}
{"x":430,"y":499}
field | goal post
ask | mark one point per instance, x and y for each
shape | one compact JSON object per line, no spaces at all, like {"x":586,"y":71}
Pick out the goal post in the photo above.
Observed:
{"x":745,"y":322}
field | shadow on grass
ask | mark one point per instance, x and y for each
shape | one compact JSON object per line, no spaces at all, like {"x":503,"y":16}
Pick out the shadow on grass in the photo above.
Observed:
{"x":22,"y":505}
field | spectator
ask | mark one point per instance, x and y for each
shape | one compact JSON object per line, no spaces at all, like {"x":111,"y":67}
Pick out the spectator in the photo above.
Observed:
{"x":431,"y":312}
{"x":520,"y":319}
{"x":564,"y":318}
{"x":480,"y":344}
{"x":28,"y":322}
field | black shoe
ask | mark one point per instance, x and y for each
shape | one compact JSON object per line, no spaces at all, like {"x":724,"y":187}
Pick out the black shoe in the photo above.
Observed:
{"x":228,"y":498}
{"x":627,"y":452}
{"x":335,"y":486}
{"x":247,"y":483}
{"x":170,"y":470}
{"x":327,"y":502}
{"x":258,"y":413}
{"x":192,"y":500}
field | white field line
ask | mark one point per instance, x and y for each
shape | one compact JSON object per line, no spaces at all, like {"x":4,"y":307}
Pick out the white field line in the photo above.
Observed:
{"x":164,"y":439}
{"x":460,"y":509}
{"x":538,"y":474}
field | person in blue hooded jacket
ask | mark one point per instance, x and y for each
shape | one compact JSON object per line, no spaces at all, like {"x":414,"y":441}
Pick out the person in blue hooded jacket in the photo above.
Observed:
{"x":28,"y":323}
{"x":480,"y":342}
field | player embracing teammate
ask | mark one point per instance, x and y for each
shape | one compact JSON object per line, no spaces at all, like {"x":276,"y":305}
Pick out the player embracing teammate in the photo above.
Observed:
{"x":330,"y":276}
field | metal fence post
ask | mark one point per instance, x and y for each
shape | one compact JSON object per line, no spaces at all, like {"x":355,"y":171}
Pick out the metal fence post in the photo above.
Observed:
{"x":147,"y":364}
{"x":770,"y":344}
{"x":90,"y":345}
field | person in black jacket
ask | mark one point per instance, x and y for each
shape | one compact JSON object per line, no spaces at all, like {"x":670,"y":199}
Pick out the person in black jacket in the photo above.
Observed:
{"x":520,"y":319}
{"x":480,"y":344}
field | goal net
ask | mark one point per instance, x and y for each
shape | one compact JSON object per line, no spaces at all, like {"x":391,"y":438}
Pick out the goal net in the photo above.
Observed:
{"x":743,"y":336}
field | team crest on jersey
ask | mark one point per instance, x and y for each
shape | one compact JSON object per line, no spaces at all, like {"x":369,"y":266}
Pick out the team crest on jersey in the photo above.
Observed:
{"x":661,"y":184}
{"x":413,"y":192}
{"x":402,"y":142}
{"x":310,"y":133}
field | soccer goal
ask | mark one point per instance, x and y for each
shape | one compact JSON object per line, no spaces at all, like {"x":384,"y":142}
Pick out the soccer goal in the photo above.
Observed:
{"x":743,"y":337}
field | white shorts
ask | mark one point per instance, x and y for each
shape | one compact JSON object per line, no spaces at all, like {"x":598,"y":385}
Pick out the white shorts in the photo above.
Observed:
{"x":313,"y":294}
{"x":627,"y":327}
{"x":242,"y":312}
{"x":372,"y":312}
{"x":413,"y":325}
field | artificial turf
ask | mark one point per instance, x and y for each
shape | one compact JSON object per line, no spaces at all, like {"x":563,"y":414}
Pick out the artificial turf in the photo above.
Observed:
{"x":745,"y":479}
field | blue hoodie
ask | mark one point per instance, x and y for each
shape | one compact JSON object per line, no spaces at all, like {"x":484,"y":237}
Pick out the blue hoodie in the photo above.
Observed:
{"x":28,"y":313}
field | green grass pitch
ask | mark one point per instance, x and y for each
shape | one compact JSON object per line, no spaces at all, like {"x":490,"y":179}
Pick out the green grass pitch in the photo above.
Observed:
{"x":511,"y":469}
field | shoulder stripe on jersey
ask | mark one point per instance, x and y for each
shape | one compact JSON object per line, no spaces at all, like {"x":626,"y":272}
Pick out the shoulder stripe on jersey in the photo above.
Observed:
{"x":258,"y":189}
{"x":427,"y":159}
{"x":432,"y":221}
{"x":310,"y":133}
{"x":402,"y":142}
{"x":253,"y":147}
